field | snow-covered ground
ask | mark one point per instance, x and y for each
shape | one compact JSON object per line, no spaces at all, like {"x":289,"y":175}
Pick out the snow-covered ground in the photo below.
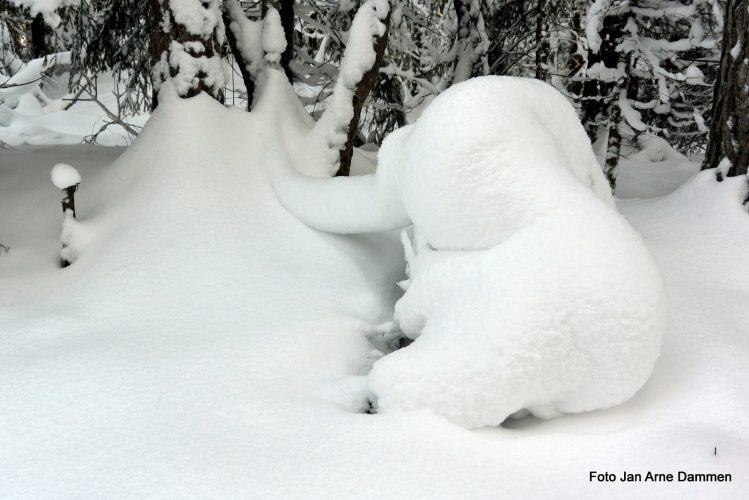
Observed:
{"x":25,"y":120}
{"x":207,"y":344}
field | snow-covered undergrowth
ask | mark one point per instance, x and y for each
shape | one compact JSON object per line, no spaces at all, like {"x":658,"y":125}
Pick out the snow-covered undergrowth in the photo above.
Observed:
{"x":25,"y":119}
{"x":208,"y":344}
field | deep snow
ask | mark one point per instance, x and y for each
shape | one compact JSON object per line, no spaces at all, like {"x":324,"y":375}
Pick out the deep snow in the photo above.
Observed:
{"x":207,"y":343}
{"x":526,"y":289}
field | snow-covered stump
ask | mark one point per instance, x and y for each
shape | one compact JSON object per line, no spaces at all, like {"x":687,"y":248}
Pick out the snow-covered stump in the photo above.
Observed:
{"x":67,"y":179}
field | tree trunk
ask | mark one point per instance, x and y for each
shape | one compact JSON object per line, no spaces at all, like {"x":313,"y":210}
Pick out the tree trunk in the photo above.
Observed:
{"x":599,"y":96}
{"x":287,"y":22}
{"x":542,"y":43}
{"x":729,"y":128}
{"x":231,"y":38}
{"x":68,"y":201}
{"x":39,"y":37}
{"x":469,"y":49}
{"x":169,"y":46}
{"x":360,"y":97}
{"x":613,"y":144}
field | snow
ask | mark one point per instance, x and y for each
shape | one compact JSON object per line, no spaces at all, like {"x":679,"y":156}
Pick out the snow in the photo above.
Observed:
{"x":509,"y":328}
{"x":199,"y":17}
{"x":594,"y":23}
{"x":358,"y":58}
{"x":46,"y":7}
{"x":189,"y":66}
{"x":274,"y":40}
{"x":736,"y":50}
{"x":694,"y":75}
{"x":424,"y":175}
{"x":208,"y":344}
{"x":655,"y":170}
{"x":31,"y":121}
{"x":631,"y":115}
{"x":28,"y":77}
{"x":63,"y":176}
{"x":249,"y":36}
{"x":724,"y":166}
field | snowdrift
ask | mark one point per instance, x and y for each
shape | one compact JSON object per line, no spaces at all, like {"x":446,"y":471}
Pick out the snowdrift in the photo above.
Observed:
{"x":527,"y":290}
{"x":208,"y":344}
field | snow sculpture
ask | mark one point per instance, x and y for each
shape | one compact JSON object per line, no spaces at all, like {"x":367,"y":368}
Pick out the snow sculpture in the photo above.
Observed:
{"x":527,"y":290}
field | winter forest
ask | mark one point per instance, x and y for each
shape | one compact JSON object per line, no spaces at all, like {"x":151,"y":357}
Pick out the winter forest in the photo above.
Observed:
{"x":374,"y":248}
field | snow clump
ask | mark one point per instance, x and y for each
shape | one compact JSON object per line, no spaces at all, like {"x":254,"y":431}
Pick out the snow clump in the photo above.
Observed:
{"x":64,"y":176}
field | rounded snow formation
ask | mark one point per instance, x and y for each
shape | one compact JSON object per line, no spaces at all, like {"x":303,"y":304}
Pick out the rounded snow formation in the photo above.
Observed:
{"x":64,"y":176}
{"x":487,"y":157}
{"x":527,"y":290}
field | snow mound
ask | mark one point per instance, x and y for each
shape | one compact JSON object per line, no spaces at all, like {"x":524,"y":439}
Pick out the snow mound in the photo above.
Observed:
{"x":558,"y":307}
{"x":655,"y":170}
{"x":63,"y":176}
{"x":485,"y":158}
{"x":204,"y":344}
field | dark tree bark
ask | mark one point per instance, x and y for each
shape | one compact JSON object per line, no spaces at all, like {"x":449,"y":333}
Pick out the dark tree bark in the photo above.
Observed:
{"x":68,"y":201}
{"x":360,"y":96}
{"x":285,"y":10}
{"x":729,"y":128}
{"x":160,"y":48}
{"x":613,"y":144}
{"x":39,"y":32}
{"x":542,"y":43}
{"x":598,"y":97}
{"x":231,"y":38}
{"x":467,"y":40}
{"x":287,"y":22}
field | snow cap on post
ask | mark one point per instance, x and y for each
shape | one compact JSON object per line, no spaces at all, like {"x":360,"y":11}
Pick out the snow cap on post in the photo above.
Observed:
{"x":65,"y":176}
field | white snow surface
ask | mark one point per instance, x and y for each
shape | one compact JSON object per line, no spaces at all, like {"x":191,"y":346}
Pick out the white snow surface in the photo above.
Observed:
{"x":208,"y":344}
{"x":655,"y":170}
{"x":199,"y":17}
{"x":189,"y":65}
{"x":274,"y":40}
{"x":63,"y":176}
{"x":530,"y":291}
{"x":30,"y":121}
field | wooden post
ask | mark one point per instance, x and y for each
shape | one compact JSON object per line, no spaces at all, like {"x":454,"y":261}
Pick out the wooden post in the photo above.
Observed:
{"x":68,"y":199}
{"x":68,"y":210}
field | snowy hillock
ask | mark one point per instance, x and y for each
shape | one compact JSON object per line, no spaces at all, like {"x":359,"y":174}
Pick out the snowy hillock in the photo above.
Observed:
{"x":208,"y":344}
{"x":655,"y":169}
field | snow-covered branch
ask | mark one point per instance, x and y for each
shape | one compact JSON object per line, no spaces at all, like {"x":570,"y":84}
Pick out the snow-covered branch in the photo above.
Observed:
{"x":361,"y":55}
